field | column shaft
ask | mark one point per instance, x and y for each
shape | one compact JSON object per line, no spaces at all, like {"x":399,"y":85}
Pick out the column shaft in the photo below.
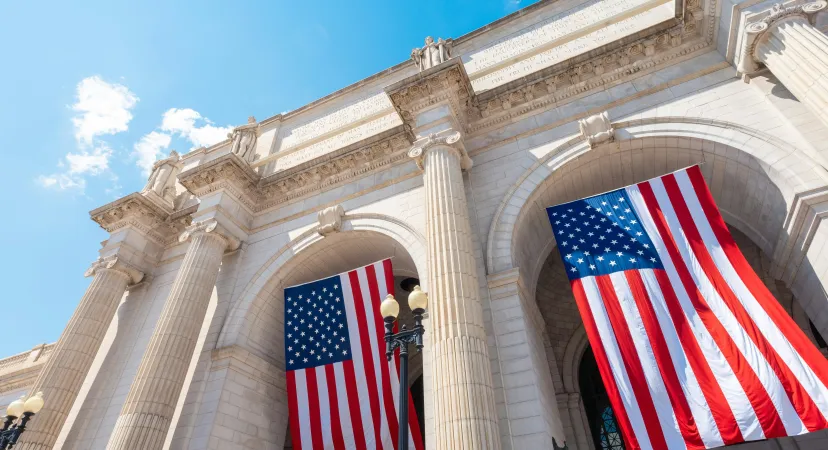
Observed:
{"x":465,"y":416}
{"x":149,"y":406}
{"x":63,"y":374}
{"x":797,"y":53}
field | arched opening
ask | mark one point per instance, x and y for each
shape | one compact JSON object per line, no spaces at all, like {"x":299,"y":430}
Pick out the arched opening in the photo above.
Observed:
{"x":572,"y":365}
{"x":600,"y":417}
{"x":256,"y":324}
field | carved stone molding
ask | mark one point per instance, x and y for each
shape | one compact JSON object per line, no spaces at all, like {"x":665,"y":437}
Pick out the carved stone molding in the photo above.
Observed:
{"x":597,"y":129}
{"x":281,"y":188}
{"x":211,"y":226}
{"x":446,"y":138}
{"x":590,"y":75}
{"x":138,"y":212}
{"x":112,"y":262}
{"x":228,"y":172}
{"x":447,"y":82}
{"x":330,"y":220}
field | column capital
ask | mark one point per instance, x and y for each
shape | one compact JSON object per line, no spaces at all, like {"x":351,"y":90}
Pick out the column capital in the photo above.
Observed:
{"x":755,"y":32}
{"x":447,"y":139}
{"x":112,"y":262}
{"x":211,"y":226}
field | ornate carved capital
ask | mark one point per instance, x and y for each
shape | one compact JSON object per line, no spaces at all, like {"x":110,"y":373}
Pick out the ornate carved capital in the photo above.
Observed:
{"x":229,"y":172}
{"x":114,"y":263}
{"x":597,"y":129}
{"x":447,"y":138}
{"x":757,"y":32}
{"x":137,"y":211}
{"x":211,"y":226}
{"x":330,"y":220}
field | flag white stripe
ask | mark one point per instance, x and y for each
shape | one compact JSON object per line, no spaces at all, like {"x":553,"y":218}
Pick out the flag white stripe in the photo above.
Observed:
{"x":732,"y":390}
{"x":359,"y":368}
{"x":708,"y":430}
{"x":369,"y":307}
{"x":655,"y":384}
{"x":324,"y":405}
{"x":599,"y":313}
{"x":343,"y":405}
{"x":303,"y":408}
{"x":392,"y":366}
{"x":746,"y":346}
{"x":788,"y":355}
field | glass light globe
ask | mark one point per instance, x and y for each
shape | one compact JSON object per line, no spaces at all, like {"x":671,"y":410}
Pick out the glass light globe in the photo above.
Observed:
{"x":34,"y":404}
{"x":15,"y":408}
{"x":417,"y":299}
{"x":389,"y":307}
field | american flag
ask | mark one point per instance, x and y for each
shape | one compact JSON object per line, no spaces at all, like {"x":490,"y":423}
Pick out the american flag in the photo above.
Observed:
{"x":692,"y":347}
{"x":342,"y":392}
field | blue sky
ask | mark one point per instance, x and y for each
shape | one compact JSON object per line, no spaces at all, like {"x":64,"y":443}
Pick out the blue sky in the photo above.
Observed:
{"x":91,"y":93}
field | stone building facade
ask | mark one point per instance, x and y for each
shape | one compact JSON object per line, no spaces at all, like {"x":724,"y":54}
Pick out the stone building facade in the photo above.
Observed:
{"x":445,"y":162}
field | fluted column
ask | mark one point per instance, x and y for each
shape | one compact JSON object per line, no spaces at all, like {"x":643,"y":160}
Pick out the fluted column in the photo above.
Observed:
{"x":795,"y":51}
{"x":149,"y":406}
{"x":463,"y":396}
{"x":63,"y":374}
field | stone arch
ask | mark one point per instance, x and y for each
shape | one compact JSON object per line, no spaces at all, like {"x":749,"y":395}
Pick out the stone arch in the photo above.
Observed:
{"x":262,"y":287}
{"x":520,"y":237}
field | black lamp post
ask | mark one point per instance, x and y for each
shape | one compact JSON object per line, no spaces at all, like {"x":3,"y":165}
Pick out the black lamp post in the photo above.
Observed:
{"x":18,"y":414}
{"x":390,"y":309}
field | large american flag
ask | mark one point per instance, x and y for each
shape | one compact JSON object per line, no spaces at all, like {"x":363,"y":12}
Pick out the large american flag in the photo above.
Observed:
{"x":342,"y":392}
{"x":692,"y":347}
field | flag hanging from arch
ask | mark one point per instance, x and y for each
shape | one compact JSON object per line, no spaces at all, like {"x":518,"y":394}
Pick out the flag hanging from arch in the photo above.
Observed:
{"x":693,"y":349}
{"x":342,"y":392}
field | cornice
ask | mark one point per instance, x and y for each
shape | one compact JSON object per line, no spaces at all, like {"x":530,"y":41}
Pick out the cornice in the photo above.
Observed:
{"x":138,"y":212}
{"x":228,"y":172}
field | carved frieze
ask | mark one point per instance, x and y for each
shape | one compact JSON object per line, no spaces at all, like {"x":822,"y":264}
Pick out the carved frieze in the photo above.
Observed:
{"x":595,"y":73}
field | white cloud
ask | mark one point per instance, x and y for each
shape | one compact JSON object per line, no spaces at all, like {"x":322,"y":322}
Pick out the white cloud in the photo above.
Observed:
{"x":61,"y":181}
{"x":92,"y":163}
{"x":148,"y":150}
{"x":182,"y":121}
{"x":103,"y":108}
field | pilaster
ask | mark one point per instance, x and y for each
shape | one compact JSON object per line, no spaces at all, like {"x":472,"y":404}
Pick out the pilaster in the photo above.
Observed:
{"x":529,"y":398}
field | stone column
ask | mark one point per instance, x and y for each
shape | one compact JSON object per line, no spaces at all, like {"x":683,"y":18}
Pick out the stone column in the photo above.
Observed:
{"x":795,"y":51}
{"x":65,"y":370}
{"x":463,"y":396}
{"x":149,"y":406}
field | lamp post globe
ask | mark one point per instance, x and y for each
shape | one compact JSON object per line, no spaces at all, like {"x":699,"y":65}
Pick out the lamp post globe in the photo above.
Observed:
{"x":18,"y":414}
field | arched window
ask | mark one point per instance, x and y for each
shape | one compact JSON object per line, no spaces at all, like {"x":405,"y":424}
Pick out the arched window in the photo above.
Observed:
{"x":602,"y":423}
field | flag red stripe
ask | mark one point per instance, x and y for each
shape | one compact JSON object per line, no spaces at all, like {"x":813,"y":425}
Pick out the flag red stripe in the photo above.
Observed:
{"x":293,"y":410}
{"x":354,"y":403}
{"x":805,"y":407}
{"x":414,"y":424}
{"x":719,"y":408}
{"x":333,"y":402}
{"x":632,"y":363}
{"x":379,"y":331}
{"x":681,"y":408}
{"x":759,"y":399}
{"x":313,"y":408}
{"x":603,"y":365}
{"x":794,"y":335}
{"x":367,"y":360}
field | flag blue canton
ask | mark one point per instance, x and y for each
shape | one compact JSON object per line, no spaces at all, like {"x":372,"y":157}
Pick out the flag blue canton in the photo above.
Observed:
{"x":601,"y":235}
{"x":316,"y":327}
